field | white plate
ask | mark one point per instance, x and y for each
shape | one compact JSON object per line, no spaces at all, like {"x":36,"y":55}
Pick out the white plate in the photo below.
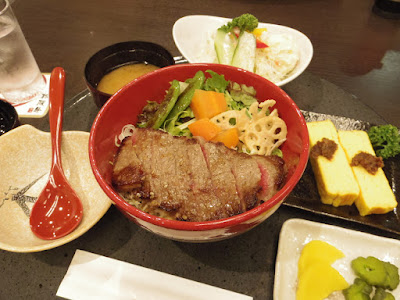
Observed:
{"x":296,"y":233}
{"x":190,"y":34}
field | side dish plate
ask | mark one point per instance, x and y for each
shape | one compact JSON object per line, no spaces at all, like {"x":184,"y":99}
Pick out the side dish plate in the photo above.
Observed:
{"x":190,"y":34}
{"x":296,"y":233}
{"x":305,"y":194}
{"x":25,"y":158}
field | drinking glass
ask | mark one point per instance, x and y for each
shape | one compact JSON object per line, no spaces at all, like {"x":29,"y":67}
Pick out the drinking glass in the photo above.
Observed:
{"x":20,"y":77}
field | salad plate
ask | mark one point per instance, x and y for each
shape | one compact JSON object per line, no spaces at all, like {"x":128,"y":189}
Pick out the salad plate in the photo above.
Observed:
{"x":191,"y":35}
{"x":296,"y":233}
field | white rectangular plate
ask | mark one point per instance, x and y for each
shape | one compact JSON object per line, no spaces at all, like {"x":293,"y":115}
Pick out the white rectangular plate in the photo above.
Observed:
{"x":296,"y":233}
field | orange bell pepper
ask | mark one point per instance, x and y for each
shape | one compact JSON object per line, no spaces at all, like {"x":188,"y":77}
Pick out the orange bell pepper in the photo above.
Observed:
{"x":204,"y":128}
{"x":207,"y":104}
{"x":229,"y":137}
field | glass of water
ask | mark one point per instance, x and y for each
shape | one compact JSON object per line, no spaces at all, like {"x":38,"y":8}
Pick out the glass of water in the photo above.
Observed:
{"x":20,"y":77}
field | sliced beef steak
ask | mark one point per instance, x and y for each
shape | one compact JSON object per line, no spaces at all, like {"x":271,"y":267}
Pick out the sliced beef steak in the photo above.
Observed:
{"x":247,"y":177}
{"x":130,"y":170}
{"x":206,"y":206}
{"x":273,"y":174}
{"x":191,"y":179}
{"x":223,"y":181}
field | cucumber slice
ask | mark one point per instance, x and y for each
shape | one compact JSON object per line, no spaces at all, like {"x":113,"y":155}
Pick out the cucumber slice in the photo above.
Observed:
{"x":245,"y":52}
{"x":225,"y":45}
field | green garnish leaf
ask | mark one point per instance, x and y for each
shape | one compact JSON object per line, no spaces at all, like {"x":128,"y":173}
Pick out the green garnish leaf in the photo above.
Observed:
{"x":244,"y":22}
{"x":385,"y":139}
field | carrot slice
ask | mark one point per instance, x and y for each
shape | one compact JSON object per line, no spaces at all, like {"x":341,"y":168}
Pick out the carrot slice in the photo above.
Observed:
{"x":204,"y":128}
{"x":229,"y":137}
{"x":207,"y":104}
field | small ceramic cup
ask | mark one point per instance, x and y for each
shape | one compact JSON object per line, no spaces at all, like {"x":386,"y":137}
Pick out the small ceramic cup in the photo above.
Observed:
{"x":117,"y":55}
{"x":8,"y":117}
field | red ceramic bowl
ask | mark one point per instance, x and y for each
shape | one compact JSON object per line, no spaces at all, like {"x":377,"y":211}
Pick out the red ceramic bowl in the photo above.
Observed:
{"x":126,"y":104}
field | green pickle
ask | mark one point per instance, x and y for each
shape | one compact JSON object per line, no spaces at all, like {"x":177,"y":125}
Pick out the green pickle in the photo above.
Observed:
{"x":371,"y":270}
{"x":381,"y":294}
{"x":392,"y":280}
{"x":359,"y":290}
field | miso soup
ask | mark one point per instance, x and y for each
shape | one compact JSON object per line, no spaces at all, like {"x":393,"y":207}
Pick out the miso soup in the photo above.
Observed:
{"x":117,"y":78}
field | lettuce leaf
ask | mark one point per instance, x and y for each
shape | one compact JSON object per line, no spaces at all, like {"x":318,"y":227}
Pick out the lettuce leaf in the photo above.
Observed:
{"x":216,"y":82}
{"x":239,"y":96}
{"x":172,"y":125}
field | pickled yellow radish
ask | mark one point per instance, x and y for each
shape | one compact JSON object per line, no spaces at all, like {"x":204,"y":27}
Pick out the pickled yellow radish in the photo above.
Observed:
{"x":317,"y":279}
{"x":318,"y":252}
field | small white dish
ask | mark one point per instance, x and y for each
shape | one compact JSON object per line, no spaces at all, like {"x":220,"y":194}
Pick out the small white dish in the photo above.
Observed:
{"x":296,"y":233}
{"x":25,"y":159}
{"x":190,"y":35}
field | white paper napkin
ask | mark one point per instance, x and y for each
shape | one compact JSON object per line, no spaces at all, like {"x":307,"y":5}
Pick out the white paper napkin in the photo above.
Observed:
{"x":92,"y":276}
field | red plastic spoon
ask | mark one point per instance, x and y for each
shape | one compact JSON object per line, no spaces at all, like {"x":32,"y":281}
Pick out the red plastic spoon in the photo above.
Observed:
{"x":58,"y":210}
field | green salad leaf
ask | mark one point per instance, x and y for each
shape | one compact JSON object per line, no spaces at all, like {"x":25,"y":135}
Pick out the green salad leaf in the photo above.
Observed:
{"x":147,"y":113}
{"x":216,"y":82}
{"x":174,"y":125}
{"x":240,"y":96}
{"x":277,"y":152}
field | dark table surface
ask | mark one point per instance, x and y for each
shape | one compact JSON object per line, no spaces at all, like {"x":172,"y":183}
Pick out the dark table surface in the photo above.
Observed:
{"x":355,"y":72}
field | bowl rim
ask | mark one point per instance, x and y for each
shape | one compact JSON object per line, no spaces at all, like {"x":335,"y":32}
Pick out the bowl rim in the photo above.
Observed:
{"x":207,"y":225}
